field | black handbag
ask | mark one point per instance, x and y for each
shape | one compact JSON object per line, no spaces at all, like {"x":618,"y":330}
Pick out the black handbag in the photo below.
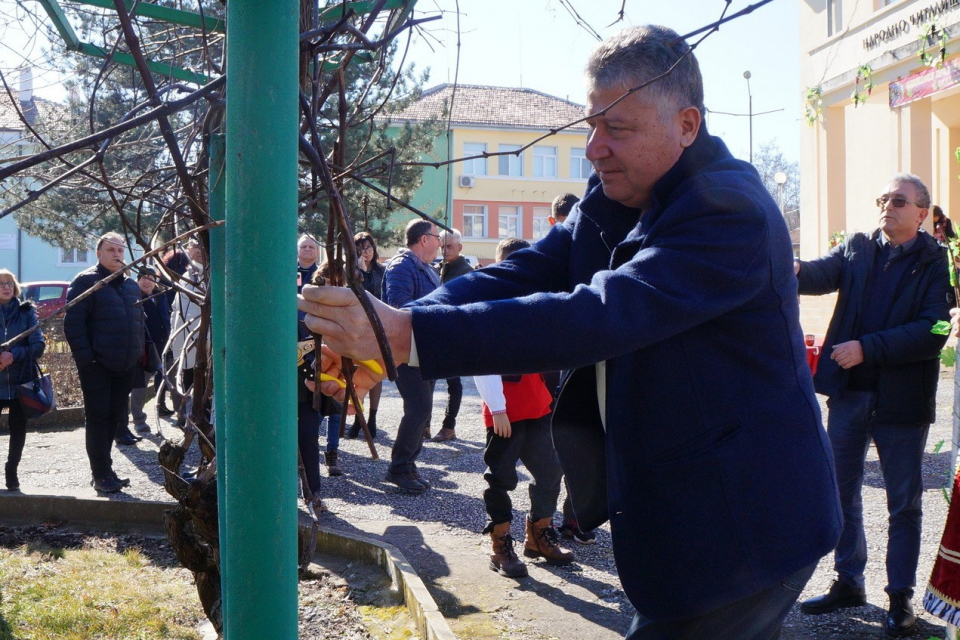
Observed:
{"x":36,"y":397}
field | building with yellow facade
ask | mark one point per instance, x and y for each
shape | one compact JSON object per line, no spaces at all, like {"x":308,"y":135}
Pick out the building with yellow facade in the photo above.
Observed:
{"x":881,"y":80}
{"x":489,"y":197}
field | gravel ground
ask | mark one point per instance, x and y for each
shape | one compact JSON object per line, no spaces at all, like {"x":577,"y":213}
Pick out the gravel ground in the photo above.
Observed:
{"x":453,"y":511}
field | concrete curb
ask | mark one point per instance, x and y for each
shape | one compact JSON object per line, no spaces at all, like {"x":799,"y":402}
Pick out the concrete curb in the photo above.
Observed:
{"x":147,"y":516}
{"x":430,"y":622}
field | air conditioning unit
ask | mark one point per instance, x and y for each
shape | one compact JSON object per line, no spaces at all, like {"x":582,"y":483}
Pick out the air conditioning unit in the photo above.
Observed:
{"x":467,"y":182}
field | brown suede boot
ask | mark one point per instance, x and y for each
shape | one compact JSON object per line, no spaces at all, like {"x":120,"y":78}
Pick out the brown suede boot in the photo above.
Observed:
{"x":503,"y":560}
{"x":542,"y":541}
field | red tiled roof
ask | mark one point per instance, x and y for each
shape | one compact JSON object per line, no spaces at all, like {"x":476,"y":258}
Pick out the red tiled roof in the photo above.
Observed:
{"x":49,"y":117}
{"x":494,"y":106}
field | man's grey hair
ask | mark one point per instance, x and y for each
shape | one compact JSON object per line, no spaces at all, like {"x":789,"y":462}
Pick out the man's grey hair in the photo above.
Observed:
{"x":635,"y":55}
{"x":110,"y":236}
{"x":453,"y":233}
{"x":923,"y":194}
{"x":309,"y":238}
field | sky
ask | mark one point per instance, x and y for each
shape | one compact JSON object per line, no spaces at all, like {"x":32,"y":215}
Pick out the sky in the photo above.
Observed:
{"x":537,"y":44}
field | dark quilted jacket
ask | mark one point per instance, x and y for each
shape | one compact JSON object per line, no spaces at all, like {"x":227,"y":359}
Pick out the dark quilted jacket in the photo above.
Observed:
{"x":106,"y":327}
{"x":15,"y":318}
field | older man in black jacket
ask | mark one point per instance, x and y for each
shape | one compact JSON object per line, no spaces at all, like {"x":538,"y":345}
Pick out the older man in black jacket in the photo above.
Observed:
{"x":106,"y":336}
{"x":881,"y":380}
{"x":453,"y":266}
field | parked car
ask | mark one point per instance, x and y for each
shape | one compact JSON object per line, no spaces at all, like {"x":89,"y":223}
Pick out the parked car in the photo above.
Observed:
{"x":49,"y":297}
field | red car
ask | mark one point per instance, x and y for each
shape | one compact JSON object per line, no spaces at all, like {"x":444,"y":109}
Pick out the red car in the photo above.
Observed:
{"x":49,"y":297}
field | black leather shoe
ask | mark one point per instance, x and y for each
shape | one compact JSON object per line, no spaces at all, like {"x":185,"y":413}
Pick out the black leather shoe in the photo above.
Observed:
{"x":164,"y":412}
{"x":900,"y":617}
{"x":416,"y":476}
{"x":107,"y":485}
{"x":124,"y":482}
{"x":406,"y":481}
{"x":840,"y":596}
{"x":128,"y":439}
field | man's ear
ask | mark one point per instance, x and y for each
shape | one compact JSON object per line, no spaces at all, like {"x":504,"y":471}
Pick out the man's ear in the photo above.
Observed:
{"x":689,"y":119}
{"x":922,"y":216}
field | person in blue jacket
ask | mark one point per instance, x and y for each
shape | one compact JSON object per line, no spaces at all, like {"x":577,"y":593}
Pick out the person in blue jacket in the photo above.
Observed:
{"x":686,"y":415}
{"x":17,"y":366}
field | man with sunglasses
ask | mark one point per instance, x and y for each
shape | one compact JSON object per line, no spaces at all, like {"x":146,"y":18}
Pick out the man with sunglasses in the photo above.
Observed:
{"x":881,"y":380}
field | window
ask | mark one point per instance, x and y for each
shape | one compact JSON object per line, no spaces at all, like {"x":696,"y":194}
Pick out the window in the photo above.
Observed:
{"x":474,"y":221}
{"x":835,"y":16}
{"x":510,"y":165}
{"x":477,"y":166}
{"x":510,"y":222}
{"x":545,"y":162}
{"x":73,"y":256}
{"x":541,"y":226}
{"x":580,"y":167}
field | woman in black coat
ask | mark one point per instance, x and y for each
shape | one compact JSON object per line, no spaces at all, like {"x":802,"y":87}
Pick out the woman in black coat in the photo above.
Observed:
{"x":16,"y":365}
{"x":372,"y":272}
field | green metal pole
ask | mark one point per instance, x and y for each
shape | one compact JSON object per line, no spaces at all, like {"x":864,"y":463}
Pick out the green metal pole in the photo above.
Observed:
{"x":217,"y":183}
{"x":260,"y":597}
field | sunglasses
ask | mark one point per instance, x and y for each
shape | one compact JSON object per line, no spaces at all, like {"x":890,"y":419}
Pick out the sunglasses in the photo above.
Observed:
{"x":897,"y":202}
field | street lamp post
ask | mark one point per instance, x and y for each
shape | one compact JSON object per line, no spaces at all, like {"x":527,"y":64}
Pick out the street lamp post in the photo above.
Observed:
{"x":781,"y":179}
{"x":746,"y":76}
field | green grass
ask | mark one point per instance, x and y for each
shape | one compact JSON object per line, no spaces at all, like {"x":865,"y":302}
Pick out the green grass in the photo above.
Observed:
{"x":82,"y":594}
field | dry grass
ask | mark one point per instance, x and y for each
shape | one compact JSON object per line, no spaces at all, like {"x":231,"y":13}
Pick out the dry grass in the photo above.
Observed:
{"x":79,"y":594}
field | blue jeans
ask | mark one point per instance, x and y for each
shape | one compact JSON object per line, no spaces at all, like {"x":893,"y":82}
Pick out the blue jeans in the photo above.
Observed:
{"x":756,"y":617}
{"x":417,"y":397}
{"x":900,"y":448}
{"x":333,"y":432}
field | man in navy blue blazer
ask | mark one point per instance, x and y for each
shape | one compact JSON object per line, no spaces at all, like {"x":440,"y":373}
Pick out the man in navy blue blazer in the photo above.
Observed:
{"x":686,"y":415}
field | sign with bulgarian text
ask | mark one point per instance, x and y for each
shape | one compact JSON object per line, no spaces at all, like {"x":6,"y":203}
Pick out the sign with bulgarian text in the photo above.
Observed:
{"x":924,"y":84}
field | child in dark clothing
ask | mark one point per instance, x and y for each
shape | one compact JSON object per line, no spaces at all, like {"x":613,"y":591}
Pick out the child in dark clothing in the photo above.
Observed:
{"x":516,"y":411}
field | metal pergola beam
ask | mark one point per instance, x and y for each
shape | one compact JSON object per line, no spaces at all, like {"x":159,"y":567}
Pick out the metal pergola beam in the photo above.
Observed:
{"x":165,"y":14}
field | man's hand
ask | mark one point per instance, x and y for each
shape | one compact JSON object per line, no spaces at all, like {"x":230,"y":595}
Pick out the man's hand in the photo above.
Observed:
{"x":331,"y":364}
{"x":847,"y":354}
{"x":336,"y":314}
{"x":796,"y":267}
{"x":501,"y":425}
{"x":6,"y":359}
{"x":954,"y":322}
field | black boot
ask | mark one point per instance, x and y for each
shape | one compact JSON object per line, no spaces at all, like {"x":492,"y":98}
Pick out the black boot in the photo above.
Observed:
{"x":900,"y":617}
{"x":840,"y":596}
{"x":372,"y":423}
{"x":353,"y":431}
{"x":333,"y":469}
{"x":10,"y":471}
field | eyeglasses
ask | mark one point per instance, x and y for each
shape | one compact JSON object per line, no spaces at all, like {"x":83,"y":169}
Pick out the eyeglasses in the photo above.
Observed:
{"x":6,"y":284}
{"x":432,"y":234}
{"x":365,"y":247}
{"x":897,"y":202}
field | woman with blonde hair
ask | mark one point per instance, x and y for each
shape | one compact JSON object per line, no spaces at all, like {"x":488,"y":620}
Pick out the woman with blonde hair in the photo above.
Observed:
{"x":17,"y":365}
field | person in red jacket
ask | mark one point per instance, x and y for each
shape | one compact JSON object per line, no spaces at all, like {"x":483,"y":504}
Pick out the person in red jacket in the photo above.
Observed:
{"x":516,"y":412}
